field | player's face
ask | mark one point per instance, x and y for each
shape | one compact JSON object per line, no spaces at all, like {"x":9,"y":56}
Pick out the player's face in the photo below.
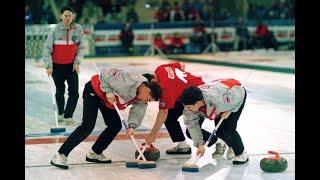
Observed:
{"x":145,"y":94}
{"x":193,"y":108}
{"x":67,"y":17}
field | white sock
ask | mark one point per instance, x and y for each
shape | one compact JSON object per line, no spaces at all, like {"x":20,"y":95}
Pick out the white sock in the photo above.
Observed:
{"x":183,"y":144}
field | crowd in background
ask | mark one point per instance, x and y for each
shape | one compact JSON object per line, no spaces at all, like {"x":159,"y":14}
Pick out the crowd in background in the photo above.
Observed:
{"x":111,"y":11}
{"x":285,"y":9}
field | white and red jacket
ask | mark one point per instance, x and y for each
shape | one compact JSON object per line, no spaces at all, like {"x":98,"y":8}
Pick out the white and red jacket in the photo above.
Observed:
{"x":64,"y":45}
{"x":124,"y":85}
{"x":219,"y":96}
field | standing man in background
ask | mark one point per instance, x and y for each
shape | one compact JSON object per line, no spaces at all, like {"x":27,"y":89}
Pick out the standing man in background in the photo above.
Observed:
{"x":126,"y":36}
{"x":62,"y":54}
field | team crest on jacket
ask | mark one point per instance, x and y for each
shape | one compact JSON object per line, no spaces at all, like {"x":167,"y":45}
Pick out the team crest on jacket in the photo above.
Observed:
{"x":170,"y":72}
{"x":113,"y":74}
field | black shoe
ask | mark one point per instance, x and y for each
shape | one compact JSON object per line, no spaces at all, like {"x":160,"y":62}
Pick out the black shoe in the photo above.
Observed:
{"x":240,"y":162}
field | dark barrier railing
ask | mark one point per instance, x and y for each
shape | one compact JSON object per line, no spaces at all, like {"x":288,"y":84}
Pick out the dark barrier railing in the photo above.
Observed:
{"x":188,"y":24}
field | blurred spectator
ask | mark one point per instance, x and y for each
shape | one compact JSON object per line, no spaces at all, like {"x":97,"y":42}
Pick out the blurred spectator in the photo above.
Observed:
{"x":47,"y":16}
{"x":222,"y":14}
{"x":101,"y":19}
{"x":77,"y":7}
{"x":176,"y":13}
{"x":273,"y":11}
{"x":283,"y":9}
{"x":161,"y":15}
{"x":193,"y":14}
{"x":115,"y":6}
{"x":242,"y":35}
{"x":105,"y":6}
{"x":208,"y":10}
{"x":198,"y":5}
{"x":185,"y":7}
{"x":126,"y":36}
{"x":291,"y":10}
{"x":129,"y":2}
{"x":260,"y":12}
{"x":90,"y":13}
{"x":28,"y":15}
{"x":263,"y":37}
{"x":159,"y":43}
{"x":35,"y":8}
{"x":115,"y":17}
{"x":176,"y":44}
{"x":252,"y":11}
{"x":132,"y":15}
{"x":165,"y":4}
{"x":198,"y":37}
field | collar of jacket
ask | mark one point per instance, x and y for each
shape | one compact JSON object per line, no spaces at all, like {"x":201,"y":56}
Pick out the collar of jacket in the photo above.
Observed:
{"x":134,"y":90}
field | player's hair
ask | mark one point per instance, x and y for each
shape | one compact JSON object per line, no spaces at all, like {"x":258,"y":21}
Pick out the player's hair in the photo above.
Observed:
{"x":65,"y":8}
{"x":155,"y":88}
{"x":191,"y":95}
{"x":149,"y":76}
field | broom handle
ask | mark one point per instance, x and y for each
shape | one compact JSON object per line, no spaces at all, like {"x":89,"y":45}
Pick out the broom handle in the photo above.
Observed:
{"x":210,"y":137}
{"x":139,"y":150}
{"x":126,"y":126}
{"x":54,"y":101}
{"x":214,"y":131}
{"x":143,"y":149}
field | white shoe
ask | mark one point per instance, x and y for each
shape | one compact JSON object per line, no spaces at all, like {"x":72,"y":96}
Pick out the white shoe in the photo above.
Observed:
{"x":220,"y":149}
{"x":241,"y":158}
{"x":230,"y":153}
{"x":97,"y":158}
{"x":60,"y":161}
{"x":179,"y":150}
{"x":69,"y":121}
{"x":60,"y":118}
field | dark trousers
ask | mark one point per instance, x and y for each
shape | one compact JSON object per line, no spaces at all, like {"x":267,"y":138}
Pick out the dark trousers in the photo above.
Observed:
{"x":61,"y":73}
{"x":172,"y":124}
{"x":227,"y":131}
{"x":91,"y":104}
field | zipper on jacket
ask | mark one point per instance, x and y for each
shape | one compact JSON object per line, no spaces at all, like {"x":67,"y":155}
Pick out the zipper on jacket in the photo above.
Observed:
{"x":68,"y":36}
